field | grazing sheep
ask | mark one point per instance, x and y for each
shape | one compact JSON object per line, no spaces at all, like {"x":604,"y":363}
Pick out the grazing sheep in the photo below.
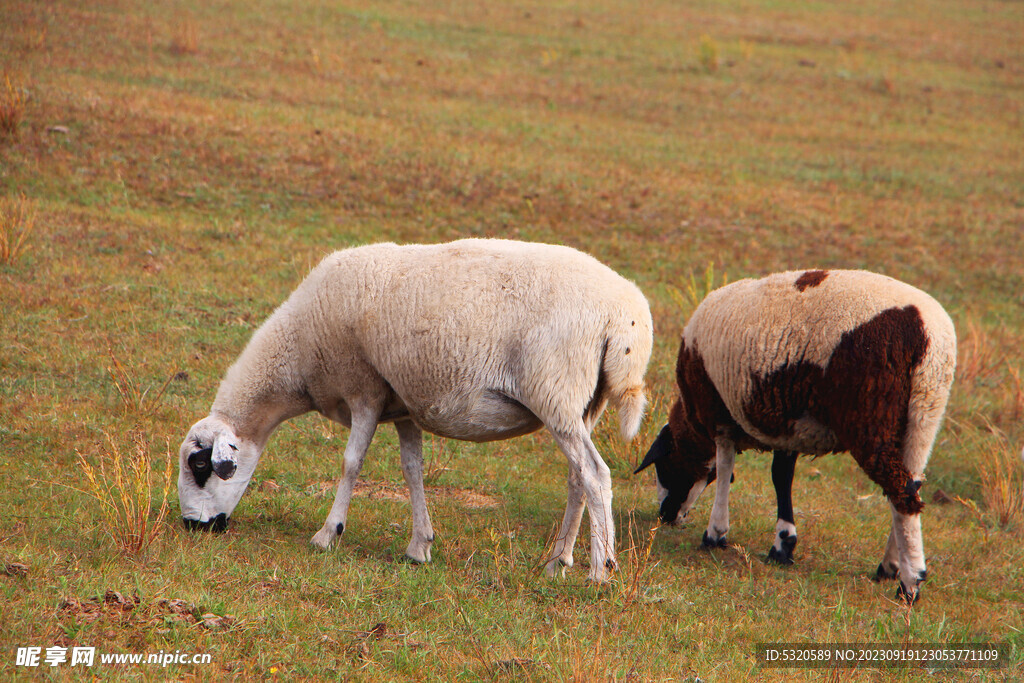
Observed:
{"x":476,"y":340}
{"x":810,"y":362}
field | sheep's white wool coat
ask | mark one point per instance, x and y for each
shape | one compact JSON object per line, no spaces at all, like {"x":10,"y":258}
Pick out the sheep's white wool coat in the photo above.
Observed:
{"x":457,"y":334}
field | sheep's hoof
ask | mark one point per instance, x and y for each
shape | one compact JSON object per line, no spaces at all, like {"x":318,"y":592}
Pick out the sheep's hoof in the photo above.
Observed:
{"x":883,"y":574}
{"x":414,"y":557}
{"x":784,"y":555}
{"x":779,"y":557}
{"x":556,"y":566}
{"x":323,"y":538}
{"x":904,"y":596}
{"x":415,"y":560}
{"x":708,"y":542}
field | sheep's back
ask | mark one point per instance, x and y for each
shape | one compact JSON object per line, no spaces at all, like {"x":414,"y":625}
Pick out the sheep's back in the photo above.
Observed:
{"x":769,"y":340}
{"x":442,"y":322}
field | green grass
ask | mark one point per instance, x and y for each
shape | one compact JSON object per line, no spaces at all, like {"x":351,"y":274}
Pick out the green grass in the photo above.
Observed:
{"x":193,"y":189}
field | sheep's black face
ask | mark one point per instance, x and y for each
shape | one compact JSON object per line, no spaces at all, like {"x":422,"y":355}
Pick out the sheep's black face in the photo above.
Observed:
{"x":679,"y":486}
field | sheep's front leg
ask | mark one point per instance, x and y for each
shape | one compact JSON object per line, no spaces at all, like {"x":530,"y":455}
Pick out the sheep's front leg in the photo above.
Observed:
{"x":410,"y":440}
{"x":907,"y":531}
{"x":561,"y":554}
{"x":783,"y":467}
{"x":718,"y":524}
{"x":596,"y":481}
{"x":364,"y":424}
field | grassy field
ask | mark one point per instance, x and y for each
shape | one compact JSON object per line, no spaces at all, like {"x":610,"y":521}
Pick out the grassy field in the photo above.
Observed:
{"x":170,"y":171}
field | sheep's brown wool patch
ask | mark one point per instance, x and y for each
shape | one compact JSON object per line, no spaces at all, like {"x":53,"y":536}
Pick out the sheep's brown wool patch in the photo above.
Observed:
{"x":702,"y":405}
{"x":872,"y":369}
{"x":777,"y":400}
{"x":811,"y":278}
{"x":862,"y":396}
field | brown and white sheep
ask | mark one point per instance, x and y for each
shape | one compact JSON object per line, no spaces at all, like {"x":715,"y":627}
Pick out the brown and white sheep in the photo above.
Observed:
{"x":810,"y":362}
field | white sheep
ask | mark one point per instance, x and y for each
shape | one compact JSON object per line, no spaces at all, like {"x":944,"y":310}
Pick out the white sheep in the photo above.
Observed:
{"x":476,"y":340}
{"x":810,"y":362}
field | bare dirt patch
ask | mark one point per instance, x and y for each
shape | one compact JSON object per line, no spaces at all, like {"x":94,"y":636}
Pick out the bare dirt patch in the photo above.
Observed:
{"x":382,"y":490}
{"x":118,"y":608}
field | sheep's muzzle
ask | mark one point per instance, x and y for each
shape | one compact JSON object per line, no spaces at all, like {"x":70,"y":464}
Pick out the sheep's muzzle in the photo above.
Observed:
{"x":217,"y":525}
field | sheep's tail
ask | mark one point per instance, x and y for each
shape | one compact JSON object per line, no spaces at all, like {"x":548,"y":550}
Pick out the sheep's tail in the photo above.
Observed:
{"x":631,"y":404}
{"x":623,"y":365}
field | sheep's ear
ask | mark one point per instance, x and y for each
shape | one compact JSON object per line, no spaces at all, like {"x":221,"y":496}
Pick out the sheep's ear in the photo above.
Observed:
{"x":661,"y":447}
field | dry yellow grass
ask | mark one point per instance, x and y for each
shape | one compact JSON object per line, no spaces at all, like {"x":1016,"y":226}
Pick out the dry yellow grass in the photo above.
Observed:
{"x":121,"y":479}
{"x":185,"y":36}
{"x":12,"y":107}
{"x":136,"y":399}
{"x":17,"y":223}
{"x":1002,"y":478}
{"x":633,"y":574}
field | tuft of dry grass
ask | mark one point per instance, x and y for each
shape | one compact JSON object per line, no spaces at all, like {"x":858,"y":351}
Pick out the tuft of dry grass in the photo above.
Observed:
{"x":708,"y":54}
{"x":442,"y":458}
{"x":122,"y":482}
{"x":979,"y":357}
{"x":1002,"y":479}
{"x":135,"y":398}
{"x":17,"y":222}
{"x":692,"y":292}
{"x":185,"y":39}
{"x":635,"y":562}
{"x":1014,"y":389}
{"x":12,"y":108}
{"x":972,"y":507}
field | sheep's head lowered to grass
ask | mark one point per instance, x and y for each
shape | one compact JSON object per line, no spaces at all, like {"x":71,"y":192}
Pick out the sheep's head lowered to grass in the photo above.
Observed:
{"x":214,"y":469}
{"x":679,"y":484}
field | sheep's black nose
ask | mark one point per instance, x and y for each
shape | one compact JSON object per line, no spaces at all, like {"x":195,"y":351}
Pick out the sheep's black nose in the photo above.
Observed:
{"x":225,"y":469}
{"x":218,"y":524}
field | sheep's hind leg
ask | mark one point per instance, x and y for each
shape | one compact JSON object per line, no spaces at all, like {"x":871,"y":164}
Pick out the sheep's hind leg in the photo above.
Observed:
{"x":364,"y":424}
{"x":907,"y":531}
{"x":561,"y":555}
{"x":901,"y":486}
{"x":718,"y":524}
{"x":783,"y":467}
{"x":596,"y":480}
{"x":410,"y":440}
